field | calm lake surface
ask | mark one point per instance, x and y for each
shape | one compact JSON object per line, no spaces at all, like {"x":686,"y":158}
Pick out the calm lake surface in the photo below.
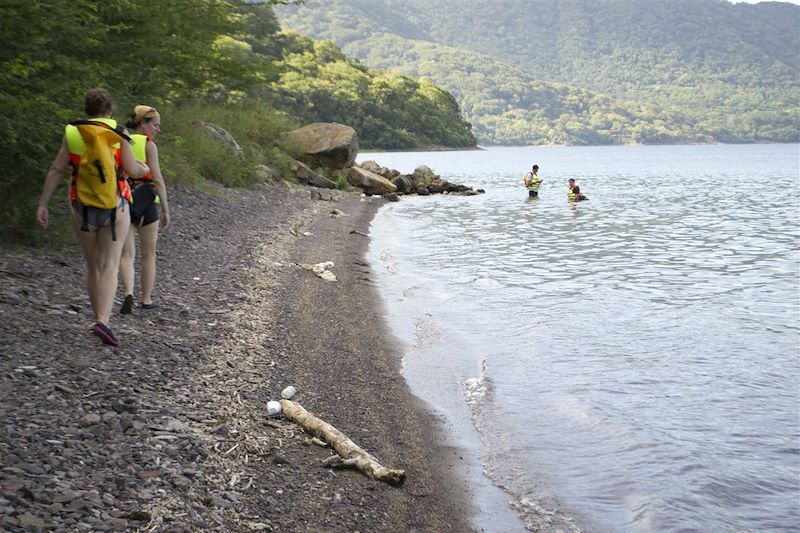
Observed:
{"x":628,"y":363}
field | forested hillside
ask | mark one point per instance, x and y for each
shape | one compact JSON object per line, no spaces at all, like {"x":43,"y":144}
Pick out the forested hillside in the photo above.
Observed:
{"x":222,"y":61}
{"x":594,"y":70}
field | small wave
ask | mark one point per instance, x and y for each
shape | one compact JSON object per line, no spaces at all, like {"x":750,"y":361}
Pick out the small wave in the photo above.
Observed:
{"x":427,"y":331}
{"x":389,"y":262}
{"x":538,"y":517}
{"x":536,"y":514}
{"x":476,"y":389}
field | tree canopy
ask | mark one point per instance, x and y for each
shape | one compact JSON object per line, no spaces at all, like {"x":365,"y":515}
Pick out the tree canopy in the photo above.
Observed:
{"x":203,"y":54}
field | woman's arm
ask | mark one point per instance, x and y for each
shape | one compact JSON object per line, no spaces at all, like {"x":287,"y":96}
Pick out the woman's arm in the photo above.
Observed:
{"x":56,"y":172}
{"x":151,"y":151}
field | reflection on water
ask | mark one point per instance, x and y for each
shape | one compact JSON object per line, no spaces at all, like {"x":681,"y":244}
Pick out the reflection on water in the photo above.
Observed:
{"x":642,"y":346}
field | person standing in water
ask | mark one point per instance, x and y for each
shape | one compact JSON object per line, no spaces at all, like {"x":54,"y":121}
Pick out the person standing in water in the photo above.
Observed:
{"x":532,"y":181}
{"x":153,"y":213}
{"x":574,"y":192}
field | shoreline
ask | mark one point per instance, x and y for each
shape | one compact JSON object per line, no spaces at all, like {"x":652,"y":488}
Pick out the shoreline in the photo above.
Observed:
{"x":170,"y":430}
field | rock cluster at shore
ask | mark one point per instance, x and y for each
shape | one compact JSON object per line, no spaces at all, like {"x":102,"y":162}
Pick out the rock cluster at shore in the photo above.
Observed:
{"x":335,"y":146}
{"x":422,"y":181}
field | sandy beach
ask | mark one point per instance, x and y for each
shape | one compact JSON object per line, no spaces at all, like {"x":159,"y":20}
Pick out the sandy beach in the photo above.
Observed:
{"x":170,"y":431}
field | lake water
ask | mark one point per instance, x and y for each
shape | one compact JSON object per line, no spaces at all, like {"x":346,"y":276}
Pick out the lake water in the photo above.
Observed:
{"x":628,"y":363}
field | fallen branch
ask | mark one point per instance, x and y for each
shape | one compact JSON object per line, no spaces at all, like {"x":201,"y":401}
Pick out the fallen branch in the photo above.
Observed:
{"x":351,"y":455}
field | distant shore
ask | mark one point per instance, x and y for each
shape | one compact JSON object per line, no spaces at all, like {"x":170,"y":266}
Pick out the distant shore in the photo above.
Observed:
{"x":551,"y":145}
{"x":423,"y":149}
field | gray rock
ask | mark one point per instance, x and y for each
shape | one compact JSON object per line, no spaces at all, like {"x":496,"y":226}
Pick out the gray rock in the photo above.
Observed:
{"x":369,"y":182}
{"x":371,"y":166}
{"x":331,"y":144}
{"x":90,"y":420}
{"x":30,"y":521}
{"x":11,"y":298}
{"x":423,"y":171}
{"x":304,"y":174}
{"x":65,"y":497}
{"x":118,"y":524}
{"x":222,"y":135}
{"x":181,"y":482}
{"x":31,"y":468}
{"x":125,"y":405}
{"x":217,"y":501}
{"x":404,"y":184}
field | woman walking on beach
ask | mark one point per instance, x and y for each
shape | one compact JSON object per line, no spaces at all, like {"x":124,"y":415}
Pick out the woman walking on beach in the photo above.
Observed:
{"x":149,"y":206}
{"x":100,"y":229}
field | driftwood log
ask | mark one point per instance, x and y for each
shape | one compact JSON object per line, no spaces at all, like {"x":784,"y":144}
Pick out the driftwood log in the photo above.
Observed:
{"x":350,"y":454}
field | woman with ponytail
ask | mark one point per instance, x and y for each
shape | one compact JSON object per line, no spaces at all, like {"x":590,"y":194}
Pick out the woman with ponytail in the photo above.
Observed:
{"x":149,"y":211}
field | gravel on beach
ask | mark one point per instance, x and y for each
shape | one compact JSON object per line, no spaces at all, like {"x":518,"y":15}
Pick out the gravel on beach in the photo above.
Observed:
{"x":170,"y":430}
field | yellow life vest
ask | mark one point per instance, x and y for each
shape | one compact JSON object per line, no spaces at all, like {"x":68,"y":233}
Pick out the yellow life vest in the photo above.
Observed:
{"x":139,"y":146}
{"x":570,"y":194}
{"x":533,"y":182}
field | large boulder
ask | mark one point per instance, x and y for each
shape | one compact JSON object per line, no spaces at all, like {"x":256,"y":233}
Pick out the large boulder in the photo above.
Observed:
{"x":369,"y":182}
{"x":330,"y":144}
{"x":422,"y":178}
{"x":305,"y":175}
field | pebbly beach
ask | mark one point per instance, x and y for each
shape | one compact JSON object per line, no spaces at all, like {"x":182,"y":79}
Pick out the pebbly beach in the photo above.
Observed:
{"x":170,"y":430}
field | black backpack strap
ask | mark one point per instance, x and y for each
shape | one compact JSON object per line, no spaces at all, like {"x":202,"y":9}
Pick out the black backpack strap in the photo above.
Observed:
{"x":113,"y":223}
{"x":84,"y":223}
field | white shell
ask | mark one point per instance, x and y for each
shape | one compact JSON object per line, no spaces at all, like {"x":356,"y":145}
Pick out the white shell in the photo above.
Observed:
{"x":273,"y":407}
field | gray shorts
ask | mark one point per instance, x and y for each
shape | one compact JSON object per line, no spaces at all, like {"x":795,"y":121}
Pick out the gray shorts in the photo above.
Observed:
{"x":93,"y":218}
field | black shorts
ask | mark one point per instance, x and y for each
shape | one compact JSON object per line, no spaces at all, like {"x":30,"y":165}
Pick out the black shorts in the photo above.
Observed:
{"x":533,"y":194}
{"x":150,"y":215}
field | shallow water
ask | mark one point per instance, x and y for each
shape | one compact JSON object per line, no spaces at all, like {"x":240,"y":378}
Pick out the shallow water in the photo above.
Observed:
{"x":630,"y":363}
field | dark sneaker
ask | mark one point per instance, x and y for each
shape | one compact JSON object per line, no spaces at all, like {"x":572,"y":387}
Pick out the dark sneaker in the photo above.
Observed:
{"x":127,"y":305}
{"x":149,"y":306}
{"x":105,"y":334}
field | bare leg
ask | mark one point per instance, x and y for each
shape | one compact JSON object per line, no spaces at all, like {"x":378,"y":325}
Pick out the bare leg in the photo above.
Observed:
{"x":110,"y":253}
{"x":102,"y":260}
{"x":88,"y":243}
{"x":148,"y":235}
{"x":126,"y":274}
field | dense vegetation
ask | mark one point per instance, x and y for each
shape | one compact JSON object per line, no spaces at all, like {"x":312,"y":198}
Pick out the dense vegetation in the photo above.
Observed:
{"x":223,"y":61}
{"x":317,"y":82}
{"x":586,"y":71}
